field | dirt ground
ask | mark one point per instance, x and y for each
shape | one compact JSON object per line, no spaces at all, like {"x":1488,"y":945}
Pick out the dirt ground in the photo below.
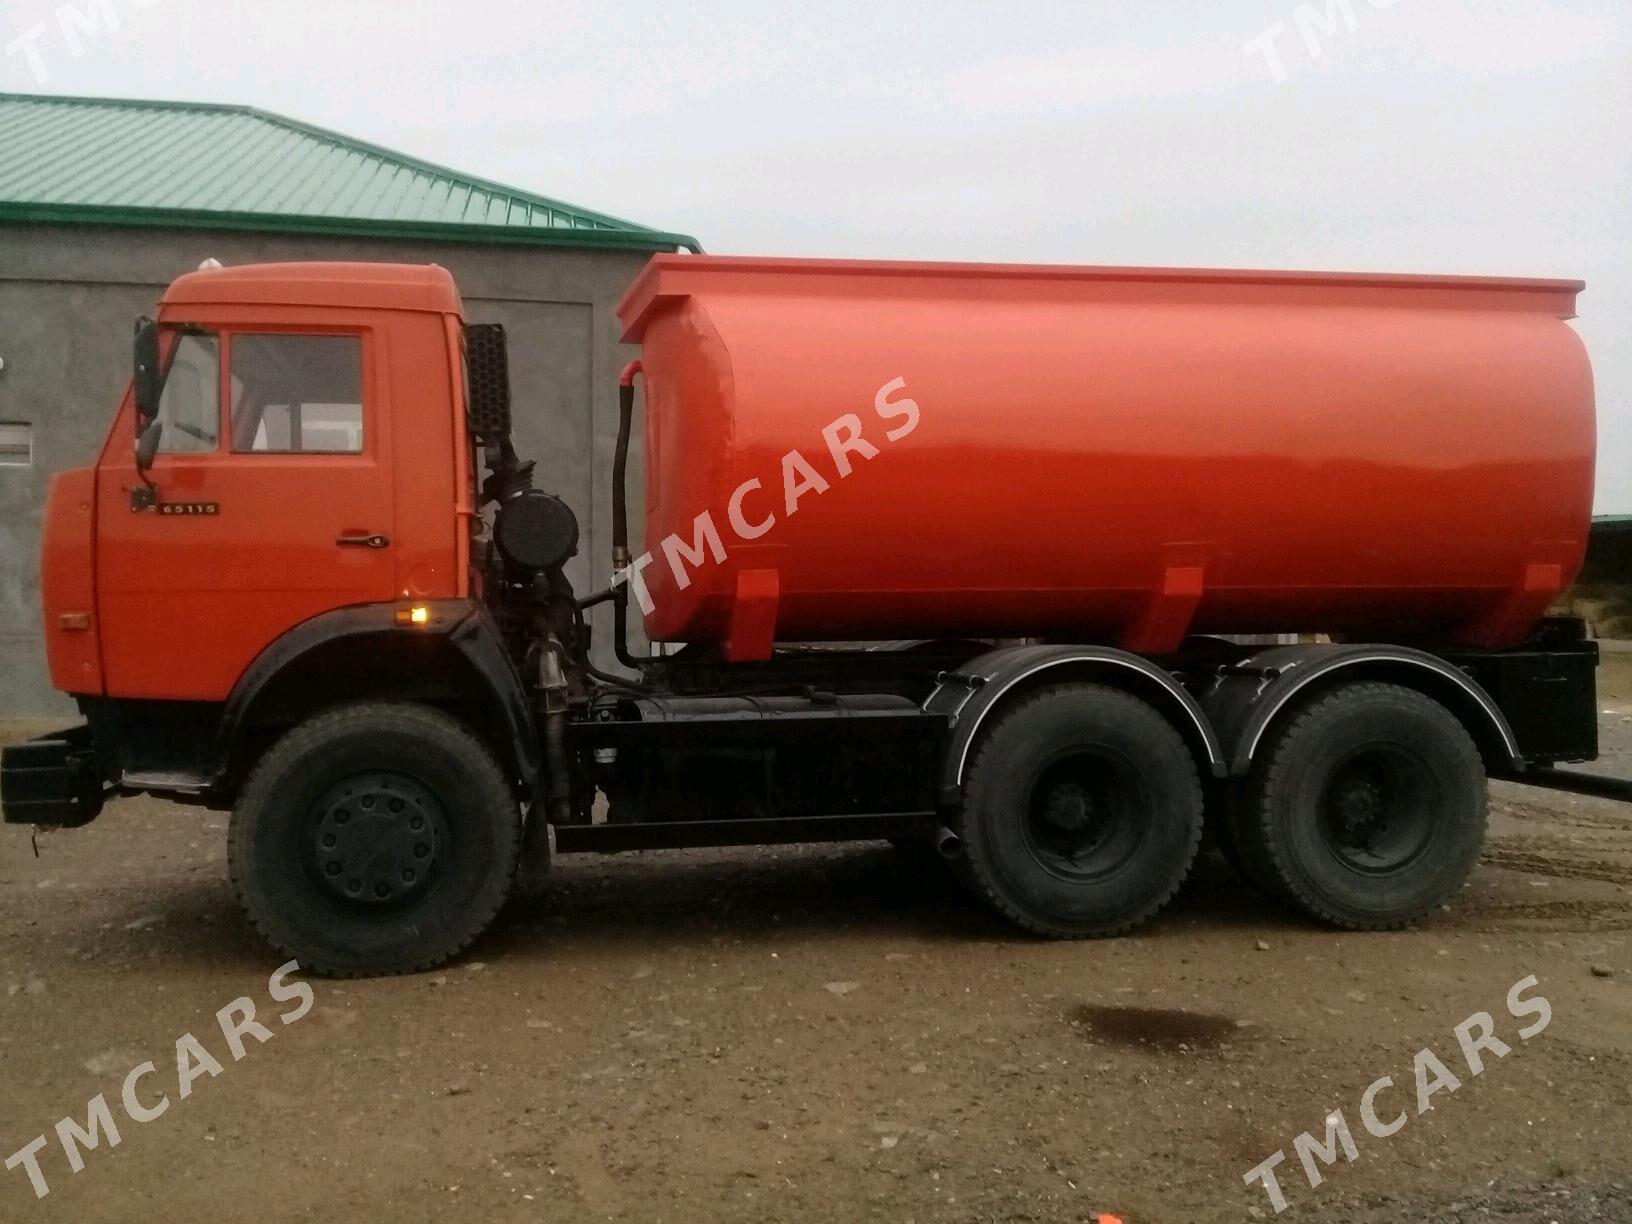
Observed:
{"x":824,"y":1034}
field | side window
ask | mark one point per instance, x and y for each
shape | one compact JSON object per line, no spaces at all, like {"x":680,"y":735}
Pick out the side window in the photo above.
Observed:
{"x":297,"y":394}
{"x":190,"y":406}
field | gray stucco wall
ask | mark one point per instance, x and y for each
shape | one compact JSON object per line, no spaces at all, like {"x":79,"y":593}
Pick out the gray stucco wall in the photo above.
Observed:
{"x":68,"y":296}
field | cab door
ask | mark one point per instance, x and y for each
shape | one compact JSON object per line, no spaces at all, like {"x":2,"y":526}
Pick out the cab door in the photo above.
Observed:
{"x":272,"y":504}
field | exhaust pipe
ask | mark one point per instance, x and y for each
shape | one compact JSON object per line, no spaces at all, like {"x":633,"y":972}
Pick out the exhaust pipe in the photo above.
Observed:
{"x":947,"y":843}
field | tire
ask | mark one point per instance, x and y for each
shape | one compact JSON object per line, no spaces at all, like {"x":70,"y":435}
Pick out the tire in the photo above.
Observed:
{"x":1082,"y":813}
{"x":374,"y":839}
{"x":1368,"y":811}
{"x":1236,"y":828}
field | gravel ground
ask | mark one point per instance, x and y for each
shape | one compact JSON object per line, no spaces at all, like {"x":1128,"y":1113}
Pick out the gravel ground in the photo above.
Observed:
{"x":824,"y":1034}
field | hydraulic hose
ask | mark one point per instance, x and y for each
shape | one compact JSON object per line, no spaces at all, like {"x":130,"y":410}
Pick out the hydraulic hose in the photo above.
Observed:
{"x":620,"y":516}
{"x":620,"y":466}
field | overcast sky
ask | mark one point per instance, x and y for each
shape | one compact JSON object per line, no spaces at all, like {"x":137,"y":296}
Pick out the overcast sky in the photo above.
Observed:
{"x":1469,"y":136}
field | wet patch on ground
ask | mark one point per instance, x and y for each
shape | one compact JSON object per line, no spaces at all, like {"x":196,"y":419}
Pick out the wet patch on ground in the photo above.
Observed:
{"x":1155,"y":1028}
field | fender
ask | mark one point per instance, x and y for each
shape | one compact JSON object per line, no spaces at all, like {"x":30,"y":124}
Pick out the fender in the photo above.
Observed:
{"x":967,"y":695}
{"x":464,"y":623}
{"x":1246,"y":697}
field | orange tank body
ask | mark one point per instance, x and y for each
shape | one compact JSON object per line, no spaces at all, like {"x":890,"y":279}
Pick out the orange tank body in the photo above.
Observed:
{"x":1106,"y":454}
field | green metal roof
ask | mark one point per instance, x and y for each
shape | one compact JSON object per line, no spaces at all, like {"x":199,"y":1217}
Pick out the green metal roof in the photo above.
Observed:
{"x":115,"y":161}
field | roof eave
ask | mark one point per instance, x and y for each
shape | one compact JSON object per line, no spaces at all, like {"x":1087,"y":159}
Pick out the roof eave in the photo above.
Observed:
{"x":351,"y":227}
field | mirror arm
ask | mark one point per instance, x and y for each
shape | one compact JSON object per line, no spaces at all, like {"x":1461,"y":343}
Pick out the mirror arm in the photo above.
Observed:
{"x":146,"y":496}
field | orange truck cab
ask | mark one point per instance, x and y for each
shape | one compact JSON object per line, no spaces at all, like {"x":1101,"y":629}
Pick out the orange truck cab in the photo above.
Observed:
{"x":309,"y":580}
{"x":312,"y":458}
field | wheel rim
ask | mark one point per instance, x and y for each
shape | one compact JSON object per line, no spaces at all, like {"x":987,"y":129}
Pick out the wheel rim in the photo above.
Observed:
{"x":378,"y":839}
{"x":1086,"y":815}
{"x":1379,"y":810}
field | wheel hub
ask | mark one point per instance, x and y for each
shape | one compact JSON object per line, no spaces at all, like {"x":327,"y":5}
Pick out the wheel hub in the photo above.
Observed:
{"x":1070,"y":807}
{"x":1080,"y":824}
{"x":377,"y":839}
{"x":1377,"y":811}
{"x":1361,"y":810}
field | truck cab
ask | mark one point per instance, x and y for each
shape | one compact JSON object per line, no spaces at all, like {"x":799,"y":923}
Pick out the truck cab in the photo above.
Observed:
{"x":310,"y":458}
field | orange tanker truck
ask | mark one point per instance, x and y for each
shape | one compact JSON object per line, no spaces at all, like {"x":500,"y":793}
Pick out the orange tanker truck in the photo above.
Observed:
{"x":956,"y":555}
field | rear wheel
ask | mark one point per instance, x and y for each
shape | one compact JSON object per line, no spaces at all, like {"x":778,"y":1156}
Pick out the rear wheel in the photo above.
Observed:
{"x":1369,"y":809}
{"x":1082,"y":812}
{"x":377,"y":838}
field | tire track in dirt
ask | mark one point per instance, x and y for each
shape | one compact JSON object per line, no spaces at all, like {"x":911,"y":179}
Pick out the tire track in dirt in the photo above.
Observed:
{"x":1600,"y":855}
{"x":1501,"y":852}
{"x":1554,"y":819}
{"x":1553,"y":917}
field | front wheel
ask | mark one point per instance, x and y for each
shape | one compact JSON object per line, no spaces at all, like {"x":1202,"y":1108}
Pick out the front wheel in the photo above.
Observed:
{"x":378,"y":838}
{"x":1082,"y":812}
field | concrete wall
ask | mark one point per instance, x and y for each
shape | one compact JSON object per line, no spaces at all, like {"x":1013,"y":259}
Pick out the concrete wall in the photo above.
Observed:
{"x":68,"y":296}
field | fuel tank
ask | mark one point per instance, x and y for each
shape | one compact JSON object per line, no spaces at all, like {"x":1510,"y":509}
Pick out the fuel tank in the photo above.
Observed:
{"x":854,"y":451}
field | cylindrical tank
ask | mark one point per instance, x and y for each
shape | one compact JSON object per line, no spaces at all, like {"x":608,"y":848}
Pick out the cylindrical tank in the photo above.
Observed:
{"x":1104,"y":454}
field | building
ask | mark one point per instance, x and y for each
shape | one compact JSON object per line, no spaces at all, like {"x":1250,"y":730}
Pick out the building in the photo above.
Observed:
{"x":103,"y":202}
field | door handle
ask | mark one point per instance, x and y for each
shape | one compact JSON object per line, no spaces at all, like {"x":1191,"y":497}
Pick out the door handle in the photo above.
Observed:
{"x":360,"y":540}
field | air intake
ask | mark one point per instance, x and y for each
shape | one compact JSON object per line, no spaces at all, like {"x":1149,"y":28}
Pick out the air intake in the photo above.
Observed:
{"x":487,"y":364}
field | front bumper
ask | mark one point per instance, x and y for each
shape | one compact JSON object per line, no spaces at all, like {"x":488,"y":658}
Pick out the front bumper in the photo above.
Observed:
{"x":53,"y":780}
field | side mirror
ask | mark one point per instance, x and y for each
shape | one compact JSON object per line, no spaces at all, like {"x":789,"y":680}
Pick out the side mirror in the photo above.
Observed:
{"x":147,"y":445}
{"x":147,"y":377}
